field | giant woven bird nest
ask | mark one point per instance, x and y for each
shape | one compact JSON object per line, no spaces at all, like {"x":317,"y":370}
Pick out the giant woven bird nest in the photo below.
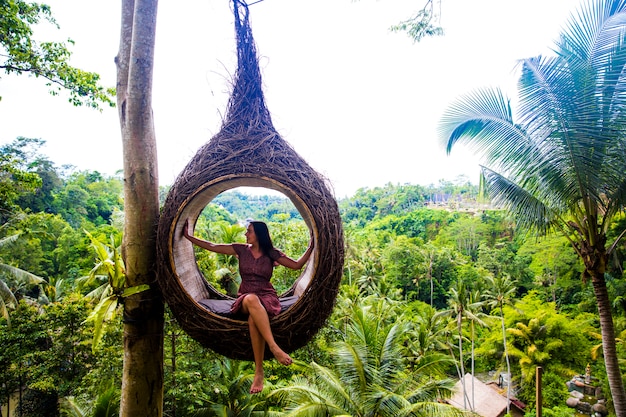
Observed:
{"x":248,"y":152}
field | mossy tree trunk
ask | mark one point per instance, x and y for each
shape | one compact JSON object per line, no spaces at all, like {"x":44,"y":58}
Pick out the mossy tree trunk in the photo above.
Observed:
{"x":142,"y":381}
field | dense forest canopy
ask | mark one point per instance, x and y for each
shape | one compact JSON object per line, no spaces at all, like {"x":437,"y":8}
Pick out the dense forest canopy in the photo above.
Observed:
{"x":420,"y":260}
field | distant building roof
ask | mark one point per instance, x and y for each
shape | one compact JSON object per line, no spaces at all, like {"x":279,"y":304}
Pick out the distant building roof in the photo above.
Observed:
{"x":488,"y":402}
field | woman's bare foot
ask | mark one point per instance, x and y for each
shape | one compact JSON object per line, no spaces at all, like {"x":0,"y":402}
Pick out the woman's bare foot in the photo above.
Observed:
{"x":281,"y":356}
{"x":257,"y":383}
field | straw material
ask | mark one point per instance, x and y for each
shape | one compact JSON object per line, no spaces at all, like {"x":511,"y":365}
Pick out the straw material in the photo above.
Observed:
{"x":249,"y":152}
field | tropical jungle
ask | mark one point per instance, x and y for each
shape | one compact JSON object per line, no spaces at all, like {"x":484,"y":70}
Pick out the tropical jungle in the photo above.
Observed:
{"x":516,"y":283}
{"x":437,"y":283}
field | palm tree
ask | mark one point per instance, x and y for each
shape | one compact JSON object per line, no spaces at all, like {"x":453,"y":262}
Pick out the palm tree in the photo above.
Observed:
{"x":476,"y":317}
{"x":370,"y":376}
{"x":499,"y":293}
{"x":559,"y":166}
{"x":426,"y":341}
{"x":458,"y":304}
{"x":534,"y":344}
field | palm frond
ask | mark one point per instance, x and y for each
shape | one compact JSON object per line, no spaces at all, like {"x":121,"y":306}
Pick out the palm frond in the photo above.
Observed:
{"x":432,"y":408}
{"x":4,"y":311}
{"x":107,"y":404}
{"x":483,"y":120}
{"x":8,"y":239}
{"x":7,"y":297}
{"x":434,"y":364}
{"x":591,"y":31}
{"x":386,"y":403}
{"x":326,"y":397}
{"x":22,"y":276}
{"x":390,"y":357}
{"x":529,"y":211}
{"x":70,"y":407}
{"x":440,"y":388}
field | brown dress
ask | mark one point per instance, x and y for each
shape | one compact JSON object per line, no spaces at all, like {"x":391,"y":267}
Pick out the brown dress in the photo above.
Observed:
{"x":255,"y":278}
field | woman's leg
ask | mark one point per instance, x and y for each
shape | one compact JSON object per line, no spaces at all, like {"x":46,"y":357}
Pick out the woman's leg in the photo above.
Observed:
{"x":257,"y":316}
{"x":258,"y":348}
{"x":260,"y":333}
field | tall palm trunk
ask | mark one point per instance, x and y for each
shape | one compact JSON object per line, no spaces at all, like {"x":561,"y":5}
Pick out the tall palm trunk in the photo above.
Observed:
{"x":431,"y":257}
{"x":473,"y":405}
{"x":459,"y":323}
{"x":596,"y":270}
{"x":142,"y":379}
{"x":508,"y":362}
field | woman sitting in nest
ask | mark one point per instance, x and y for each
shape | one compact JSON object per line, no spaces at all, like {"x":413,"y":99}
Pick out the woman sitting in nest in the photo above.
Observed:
{"x":256,"y":297}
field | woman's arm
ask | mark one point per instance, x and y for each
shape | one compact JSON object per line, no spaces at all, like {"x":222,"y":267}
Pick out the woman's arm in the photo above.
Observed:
{"x":290,"y":263}
{"x":225,"y":249}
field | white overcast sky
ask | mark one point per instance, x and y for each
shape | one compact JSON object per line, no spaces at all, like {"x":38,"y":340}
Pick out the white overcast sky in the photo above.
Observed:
{"x":361,"y":104}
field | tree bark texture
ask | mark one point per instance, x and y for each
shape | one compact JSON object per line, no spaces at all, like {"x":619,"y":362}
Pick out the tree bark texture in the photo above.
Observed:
{"x":142,"y":380}
{"x":608,"y":344}
{"x":595,"y":259}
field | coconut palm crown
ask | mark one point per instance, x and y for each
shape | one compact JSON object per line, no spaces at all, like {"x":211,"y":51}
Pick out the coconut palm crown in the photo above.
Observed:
{"x":559,"y":163}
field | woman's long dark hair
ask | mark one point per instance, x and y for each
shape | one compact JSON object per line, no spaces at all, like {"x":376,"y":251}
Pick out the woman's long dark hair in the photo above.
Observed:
{"x":263,"y":237}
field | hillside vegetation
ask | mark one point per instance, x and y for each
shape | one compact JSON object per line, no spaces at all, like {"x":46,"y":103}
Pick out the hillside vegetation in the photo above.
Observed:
{"x":431,"y":269}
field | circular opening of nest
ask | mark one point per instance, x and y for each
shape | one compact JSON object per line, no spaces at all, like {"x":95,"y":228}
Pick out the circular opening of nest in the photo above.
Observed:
{"x":182,"y":251}
{"x":225,"y":220}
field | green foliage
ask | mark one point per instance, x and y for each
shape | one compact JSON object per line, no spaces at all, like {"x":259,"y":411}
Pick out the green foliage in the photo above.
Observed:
{"x":556,"y":268}
{"x":45,"y":351}
{"x":15,"y":177}
{"x":466,"y":233}
{"x":421,"y":223}
{"x":291,"y":237}
{"x":557,"y":163}
{"x":553,"y":391}
{"x":49,"y":246}
{"x":41,"y":199}
{"x":401,"y":262}
{"x":68,"y":357}
{"x":21,"y":54}
{"x":15,"y":282}
{"x":369,"y":376}
{"x":31,"y":182}
{"x":88,"y":197}
{"x":19,"y":344}
{"x":111,"y":293}
{"x":558,"y":411}
{"x":370,"y":204}
{"x":107,"y":404}
{"x":399,"y":271}
{"x":243,"y":206}
{"x":106,"y":370}
{"x":538,"y":335}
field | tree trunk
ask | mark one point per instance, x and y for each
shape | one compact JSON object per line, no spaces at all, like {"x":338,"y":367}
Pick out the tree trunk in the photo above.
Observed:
{"x":608,"y":343}
{"x":142,"y":380}
{"x":459,"y":322}
{"x":508,"y":362}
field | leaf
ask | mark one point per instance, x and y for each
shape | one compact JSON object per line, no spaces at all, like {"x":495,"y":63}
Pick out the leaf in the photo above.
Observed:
{"x":103,"y":312}
{"x":135,"y":290}
{"x":21,"y":275}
